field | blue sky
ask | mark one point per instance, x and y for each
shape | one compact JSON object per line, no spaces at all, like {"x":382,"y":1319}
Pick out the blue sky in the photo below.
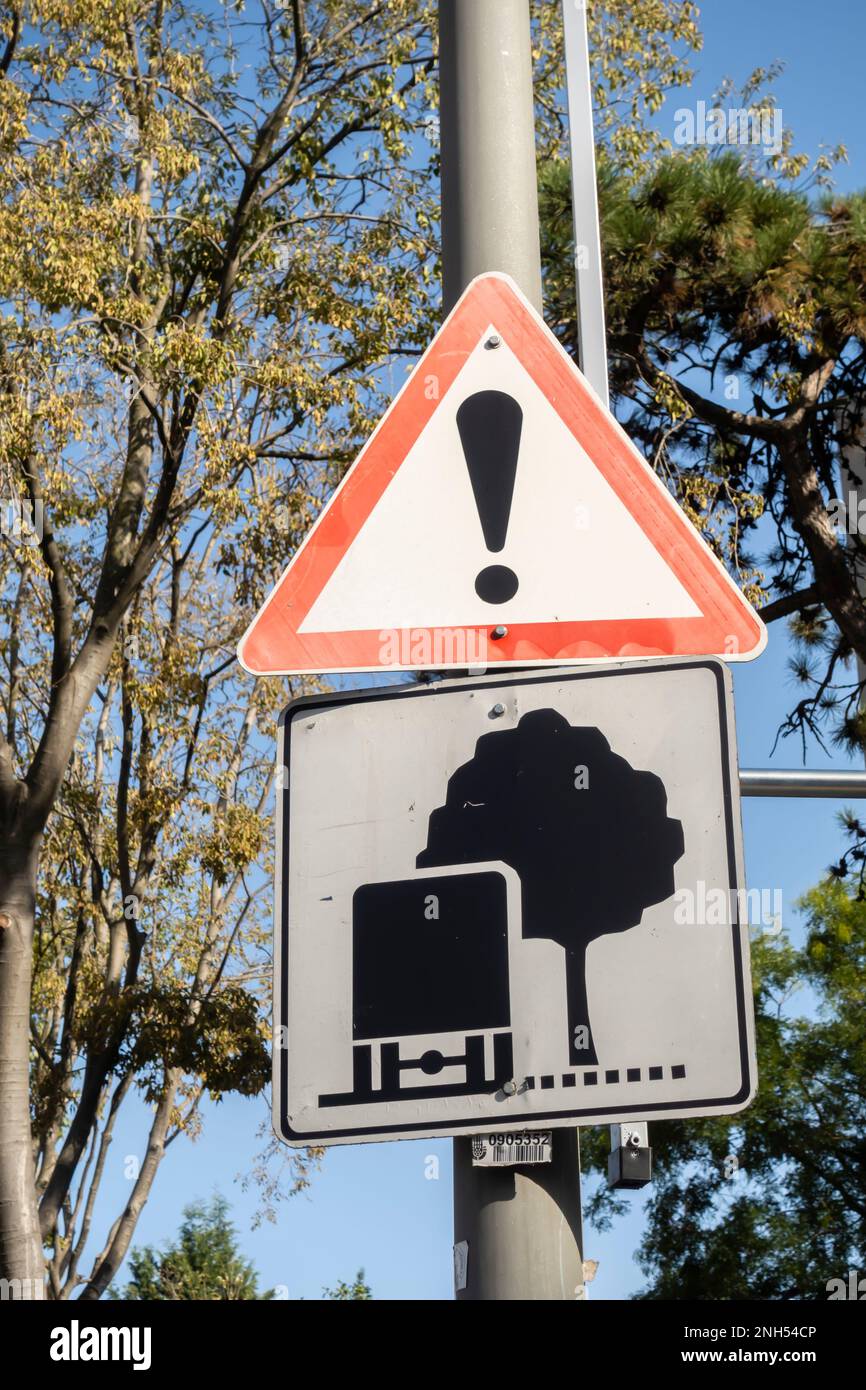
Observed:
{"x":821,"y":46}
{"x":376,"y":1205}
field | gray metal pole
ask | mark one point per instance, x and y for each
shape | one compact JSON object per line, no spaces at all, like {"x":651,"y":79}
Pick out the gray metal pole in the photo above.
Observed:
{"x":784,"y":782}
{"x":487,"y":132}
{"x":521,"y":1224}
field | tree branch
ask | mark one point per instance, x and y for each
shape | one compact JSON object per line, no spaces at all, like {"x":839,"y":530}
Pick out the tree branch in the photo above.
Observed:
{"x":791,"y":603}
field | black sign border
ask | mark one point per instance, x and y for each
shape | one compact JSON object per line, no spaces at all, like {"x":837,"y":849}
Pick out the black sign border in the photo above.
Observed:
{"x":298,"y":707}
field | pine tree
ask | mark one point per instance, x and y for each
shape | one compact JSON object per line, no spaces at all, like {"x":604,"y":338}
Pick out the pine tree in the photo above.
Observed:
{"x":204,"y":1263}
{"x":737,"y":353}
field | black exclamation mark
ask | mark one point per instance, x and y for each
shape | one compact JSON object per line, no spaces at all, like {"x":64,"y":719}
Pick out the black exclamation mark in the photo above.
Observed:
{"x":490,"y":423}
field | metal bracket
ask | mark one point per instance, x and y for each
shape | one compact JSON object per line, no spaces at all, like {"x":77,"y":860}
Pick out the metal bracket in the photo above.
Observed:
{"x":630,"y":1162}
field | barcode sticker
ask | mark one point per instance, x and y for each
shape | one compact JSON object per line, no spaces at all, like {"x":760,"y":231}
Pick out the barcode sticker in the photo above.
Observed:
{"x":491,"y":1150}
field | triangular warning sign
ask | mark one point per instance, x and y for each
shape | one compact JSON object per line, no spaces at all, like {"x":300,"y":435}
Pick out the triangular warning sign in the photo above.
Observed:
{"x":498,"y":515}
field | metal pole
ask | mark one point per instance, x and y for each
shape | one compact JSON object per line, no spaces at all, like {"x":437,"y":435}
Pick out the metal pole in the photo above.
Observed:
{"x":487,"y":132}
{"x":589,"y":284}
{"x":588,"y":278}
{"x":853,"y":480}
{"x":770,"y":782}
{"x":521,"y":1224}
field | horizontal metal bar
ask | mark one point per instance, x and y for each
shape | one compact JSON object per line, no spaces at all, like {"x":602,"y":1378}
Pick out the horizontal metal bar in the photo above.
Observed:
{"x":768,"y":782}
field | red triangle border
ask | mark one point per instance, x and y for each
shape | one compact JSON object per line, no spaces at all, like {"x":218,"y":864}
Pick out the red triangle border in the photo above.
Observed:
{"x":728,"y":626}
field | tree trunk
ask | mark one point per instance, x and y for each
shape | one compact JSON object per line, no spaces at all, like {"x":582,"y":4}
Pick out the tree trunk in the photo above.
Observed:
{"x":581,"y":1048}
{"x":108,"y":1263}
{"x":21,"y":1259}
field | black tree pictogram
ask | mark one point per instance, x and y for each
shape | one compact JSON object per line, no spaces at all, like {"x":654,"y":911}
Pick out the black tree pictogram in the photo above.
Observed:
{"x":588,"y":835}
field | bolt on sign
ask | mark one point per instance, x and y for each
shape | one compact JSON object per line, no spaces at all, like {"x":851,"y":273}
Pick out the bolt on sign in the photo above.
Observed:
{"x":480,"y":905}
{"x":498,"y":516}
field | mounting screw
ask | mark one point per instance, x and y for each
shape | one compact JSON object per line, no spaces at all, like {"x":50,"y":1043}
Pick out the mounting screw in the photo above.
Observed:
{"x":510,"y":1088}
{"x":499,"y":632}
{"x":6,"y":921}
{"x":493,"y":341}
{"x":497,"y":711}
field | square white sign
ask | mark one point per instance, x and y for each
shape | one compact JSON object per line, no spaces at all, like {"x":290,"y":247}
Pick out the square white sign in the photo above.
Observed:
{"x":511,"y":902}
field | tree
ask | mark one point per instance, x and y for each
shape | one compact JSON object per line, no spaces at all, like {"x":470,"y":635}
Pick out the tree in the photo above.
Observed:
{"x":771,"y":1203}
{"x":203,"y":1264}
{"x":358,"y":1291}
{"x":214,"y":237}
{"x":737,"y":345}
{"x":639,"y":52}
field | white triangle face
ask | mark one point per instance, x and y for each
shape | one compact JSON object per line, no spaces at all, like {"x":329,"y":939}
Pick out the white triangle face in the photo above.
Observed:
{"x":577,"y":552}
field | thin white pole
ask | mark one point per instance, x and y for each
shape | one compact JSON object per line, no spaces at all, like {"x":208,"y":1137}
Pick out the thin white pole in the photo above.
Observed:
{"x":591,"y":335}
